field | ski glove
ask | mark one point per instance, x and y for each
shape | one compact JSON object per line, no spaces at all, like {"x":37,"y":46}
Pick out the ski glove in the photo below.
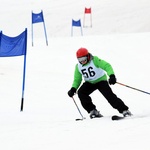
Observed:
{"x":112,"y":79}
{"x":72,"y":91}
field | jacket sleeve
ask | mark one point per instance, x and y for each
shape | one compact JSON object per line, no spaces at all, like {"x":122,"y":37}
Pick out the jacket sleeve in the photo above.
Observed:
{"x":77,"y":78}
{"x":103,"y":65}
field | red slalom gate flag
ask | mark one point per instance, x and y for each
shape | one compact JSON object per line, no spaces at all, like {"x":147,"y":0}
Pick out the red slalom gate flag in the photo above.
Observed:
{"x":87,"y":19}
{"x":87,"y":11}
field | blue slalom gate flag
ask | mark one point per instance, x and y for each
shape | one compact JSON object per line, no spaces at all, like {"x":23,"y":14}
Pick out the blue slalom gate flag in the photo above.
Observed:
{"x":76,"y":23}
{"x":12,"y":46}
{"x":15,"y":46}
{"x":36,"y":18}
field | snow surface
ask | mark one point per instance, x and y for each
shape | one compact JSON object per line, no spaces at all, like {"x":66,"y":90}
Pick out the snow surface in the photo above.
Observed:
{"x":120,"y":35}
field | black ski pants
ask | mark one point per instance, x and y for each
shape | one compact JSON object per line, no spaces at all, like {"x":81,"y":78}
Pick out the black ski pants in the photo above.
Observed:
{"x":87,"y":88}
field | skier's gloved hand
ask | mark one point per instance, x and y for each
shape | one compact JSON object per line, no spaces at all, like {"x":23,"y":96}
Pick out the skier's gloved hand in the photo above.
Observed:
{"x":72,"y":91}
{"x":112,"y":79}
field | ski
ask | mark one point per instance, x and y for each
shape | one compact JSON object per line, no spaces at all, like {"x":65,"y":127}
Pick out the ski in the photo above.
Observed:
{"x":78,"y":119}
{"x":115,"y":117}
{"x":81,"y":119}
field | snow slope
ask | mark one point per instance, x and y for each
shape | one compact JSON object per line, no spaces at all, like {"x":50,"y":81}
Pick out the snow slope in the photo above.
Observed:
{"x":120,"y":35}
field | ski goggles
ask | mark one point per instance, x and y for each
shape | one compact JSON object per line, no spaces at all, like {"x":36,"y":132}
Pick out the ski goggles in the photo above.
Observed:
{"x":82,"y":59}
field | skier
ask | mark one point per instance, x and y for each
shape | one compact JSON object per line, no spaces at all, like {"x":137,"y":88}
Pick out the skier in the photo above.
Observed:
{"x":95,"y":71}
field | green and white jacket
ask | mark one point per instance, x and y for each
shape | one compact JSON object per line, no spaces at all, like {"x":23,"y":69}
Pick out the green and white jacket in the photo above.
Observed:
{"x":94,"y":71}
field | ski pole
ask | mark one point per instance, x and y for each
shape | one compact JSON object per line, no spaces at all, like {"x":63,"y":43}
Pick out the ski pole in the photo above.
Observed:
{"x":133,"y":88}
{"x":78,"y":110}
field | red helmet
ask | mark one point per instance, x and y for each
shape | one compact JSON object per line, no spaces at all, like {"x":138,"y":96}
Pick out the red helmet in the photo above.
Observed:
{"x":81,"y":52}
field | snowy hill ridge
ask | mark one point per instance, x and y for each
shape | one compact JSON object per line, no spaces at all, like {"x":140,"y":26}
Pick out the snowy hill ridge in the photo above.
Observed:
{"x":108,"y":17}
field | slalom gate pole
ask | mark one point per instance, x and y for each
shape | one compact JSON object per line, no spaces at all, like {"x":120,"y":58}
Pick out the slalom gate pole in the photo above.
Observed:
{"x":133,"y":88}
{"x":78,"y":109}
